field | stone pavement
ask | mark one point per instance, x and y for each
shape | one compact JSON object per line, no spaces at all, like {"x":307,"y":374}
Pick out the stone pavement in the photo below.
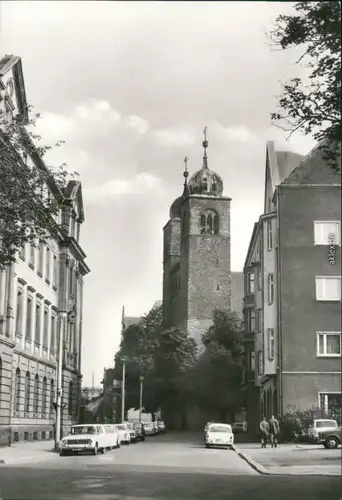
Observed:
{"x":292,"y":459}
{"x":27,"y":452}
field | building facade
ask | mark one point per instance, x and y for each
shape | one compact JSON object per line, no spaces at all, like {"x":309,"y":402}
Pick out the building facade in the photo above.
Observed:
{"x":197,"y":275}
{"x":293,"y":290}
{"x":46,"y":278}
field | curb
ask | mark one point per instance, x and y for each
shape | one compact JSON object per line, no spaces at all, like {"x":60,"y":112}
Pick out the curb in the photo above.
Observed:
{"x":255,"y":465}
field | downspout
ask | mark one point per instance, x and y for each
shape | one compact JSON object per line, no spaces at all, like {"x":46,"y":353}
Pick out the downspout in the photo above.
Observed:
{"x":279,"y":304}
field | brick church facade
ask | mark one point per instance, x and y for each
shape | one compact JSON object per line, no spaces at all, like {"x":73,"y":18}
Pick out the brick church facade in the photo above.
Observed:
{"x":197,"y":274}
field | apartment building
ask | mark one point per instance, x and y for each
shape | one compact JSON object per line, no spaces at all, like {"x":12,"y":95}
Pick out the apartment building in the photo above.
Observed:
{"x":293,"y":290}
{"x":46,"y":279}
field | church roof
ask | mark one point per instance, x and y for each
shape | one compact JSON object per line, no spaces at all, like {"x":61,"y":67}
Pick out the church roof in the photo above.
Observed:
{"x":205,"y":181}
{"x":175,"y":209}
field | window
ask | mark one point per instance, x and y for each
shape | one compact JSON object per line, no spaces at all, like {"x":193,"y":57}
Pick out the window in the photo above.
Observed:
{"x":27,"y":392}
{"x":1,"y":380}
{"x":327,"y":233}
{"x":259,"y":320}
{"x":329,"y":344}
{"x":270,"y":288}
{"x":17,"y":389}
{"x":53,"y":334}
{"x":330,"y":401}
{"x":251,"y":361}
{"x":70,"y":398}
{"x":269,"y":235}
{"x":40,"y":258}
{"x":328,"y":287}
{"x":44,"y":396}
{"x":250,"y":320}
{"x":250,"y":282}
{"x":260,"y":363}
{"x":22,"y":251}
{"x":55,"y":271}
{"x":38,"y":323}
{"x":52,"y":393}
{"x":71,"y":280}
{"x":28,"y":331}
{"x":36,"y":395}
{"x":19,"y":313}
{"x":47,"y":264}
{"x":46,"y":329}
{"x":270,"y":343}
{"x":32,"y":254}
{"x":259,"y":279}
{"x":209,"y":222}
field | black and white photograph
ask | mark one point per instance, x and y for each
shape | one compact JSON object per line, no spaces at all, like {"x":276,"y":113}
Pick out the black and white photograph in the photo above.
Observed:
{"x":170,"y":250}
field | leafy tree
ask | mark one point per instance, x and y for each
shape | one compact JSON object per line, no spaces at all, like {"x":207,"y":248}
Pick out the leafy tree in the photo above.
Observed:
{"x":219,"y":369}
{"x":313,"y":108}
{"x":27,"y":213}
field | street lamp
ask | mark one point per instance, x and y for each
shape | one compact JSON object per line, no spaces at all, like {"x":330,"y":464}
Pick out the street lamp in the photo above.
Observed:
{"x":62,"y":315}
{"x":123,"y":359}
{"x":141,"y":396}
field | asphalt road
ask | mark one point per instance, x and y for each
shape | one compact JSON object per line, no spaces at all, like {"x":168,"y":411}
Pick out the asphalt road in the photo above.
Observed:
{"x":171,"y":467}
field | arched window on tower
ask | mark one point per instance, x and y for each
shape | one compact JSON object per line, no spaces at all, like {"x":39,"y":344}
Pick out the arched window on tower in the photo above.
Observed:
{"x":209,"y":222}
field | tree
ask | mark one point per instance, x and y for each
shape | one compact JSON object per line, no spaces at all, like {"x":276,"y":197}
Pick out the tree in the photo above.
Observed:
{"x":31,"y":194}
{"x":219,"y":369}
{"x":313,"y":108}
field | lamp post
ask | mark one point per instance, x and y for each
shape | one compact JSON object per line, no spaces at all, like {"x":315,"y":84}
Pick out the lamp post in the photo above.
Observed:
{"x":141,"y":396}
{"x":62,"y":315}
{"x":123,"y":359}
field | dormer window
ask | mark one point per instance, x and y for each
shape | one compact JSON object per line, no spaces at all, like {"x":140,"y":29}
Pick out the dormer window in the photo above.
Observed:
{"x":209,"y":222}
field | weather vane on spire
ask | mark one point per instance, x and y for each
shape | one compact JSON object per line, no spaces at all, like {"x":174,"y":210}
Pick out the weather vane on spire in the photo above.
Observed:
{"x":186,"y":165}
{"x":205,"y":133}
{"x":205,"y":145}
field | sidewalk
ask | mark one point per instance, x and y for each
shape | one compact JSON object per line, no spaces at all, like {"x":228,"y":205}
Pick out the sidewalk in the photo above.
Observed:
{"x":27,"y":452}
{"x":292,"y":459}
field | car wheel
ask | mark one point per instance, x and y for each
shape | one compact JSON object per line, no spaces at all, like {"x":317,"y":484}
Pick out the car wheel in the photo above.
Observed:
{"x":95,"y":450}
{"x":331,"y":443}
{"x":61,"y":454}
{"x":207,"y":445}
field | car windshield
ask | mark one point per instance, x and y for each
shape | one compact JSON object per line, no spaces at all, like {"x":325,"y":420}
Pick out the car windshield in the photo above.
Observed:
{"x":326,"y":423}
{"x":220,"y":428}
{"x":82,"y":430}
{"x":122,"y":427}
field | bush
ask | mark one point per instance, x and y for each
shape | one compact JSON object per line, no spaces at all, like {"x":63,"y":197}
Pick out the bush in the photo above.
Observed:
{"x":298,"y":421}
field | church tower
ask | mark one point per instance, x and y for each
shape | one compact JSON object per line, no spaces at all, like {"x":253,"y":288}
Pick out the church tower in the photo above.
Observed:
{"x":198,"y":280}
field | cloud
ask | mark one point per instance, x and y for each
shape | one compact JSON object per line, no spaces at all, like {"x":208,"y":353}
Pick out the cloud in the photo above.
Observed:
{"x":142,"y":184}
{"x":175,"y":138}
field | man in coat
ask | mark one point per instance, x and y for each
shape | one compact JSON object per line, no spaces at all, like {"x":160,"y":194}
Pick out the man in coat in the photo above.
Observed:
{"x":274,"y":431}
{"x":264,"y":431}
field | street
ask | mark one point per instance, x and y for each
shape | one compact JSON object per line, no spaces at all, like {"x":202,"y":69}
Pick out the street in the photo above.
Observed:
{"x":173,"y":466}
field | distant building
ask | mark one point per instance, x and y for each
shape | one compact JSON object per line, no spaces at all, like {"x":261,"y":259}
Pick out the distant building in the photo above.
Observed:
{"x":44,"y":280}
{"x":197,"y":277}
{"x":127,"y":321}
{"x":292,"y":296}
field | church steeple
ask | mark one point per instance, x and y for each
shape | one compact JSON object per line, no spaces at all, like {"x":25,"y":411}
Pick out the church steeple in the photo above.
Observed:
{"x":185,"y":175}
{"x":205,"y":145}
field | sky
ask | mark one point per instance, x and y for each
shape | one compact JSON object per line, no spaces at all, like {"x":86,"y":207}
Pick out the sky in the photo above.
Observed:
{"x":130,"y":87}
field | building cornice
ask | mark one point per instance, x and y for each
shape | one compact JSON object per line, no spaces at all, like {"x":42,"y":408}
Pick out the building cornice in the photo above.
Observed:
{"x":301,"y":186}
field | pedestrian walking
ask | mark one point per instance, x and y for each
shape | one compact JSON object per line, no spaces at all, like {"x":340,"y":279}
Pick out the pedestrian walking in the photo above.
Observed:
{"x":274,"y":431}
{"x":264,"y":431}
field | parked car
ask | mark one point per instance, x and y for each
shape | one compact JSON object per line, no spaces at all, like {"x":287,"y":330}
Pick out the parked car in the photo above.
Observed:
{"x":150,"y":428}
{"x":161,"y":426}
{"x":132,"y":433}
{"x":85,"y":438}
{"x":124,"y":433}
{"x":320,"y":426}
{"x":140,"y":431}
{"x":113,"y":437}
{"x":239,"y":427}
{"x":219,"y":435}
{"x":331,"y":438}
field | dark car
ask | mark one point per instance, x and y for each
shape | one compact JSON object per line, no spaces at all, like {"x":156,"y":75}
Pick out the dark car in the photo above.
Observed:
{"x":139,"y":431}
{"x":331,"y":438}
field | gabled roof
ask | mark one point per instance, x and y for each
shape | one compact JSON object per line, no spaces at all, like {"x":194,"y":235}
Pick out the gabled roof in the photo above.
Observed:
{"x":13,"y":63}
{"x":313,"y":169}
{"x":279,"y":165}
{"x":73,"y":192}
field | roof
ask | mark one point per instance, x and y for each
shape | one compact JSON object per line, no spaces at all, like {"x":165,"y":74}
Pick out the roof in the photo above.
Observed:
{"x":73,"y":192}
{"x":313,"y":169}
{"x":13,"y":63}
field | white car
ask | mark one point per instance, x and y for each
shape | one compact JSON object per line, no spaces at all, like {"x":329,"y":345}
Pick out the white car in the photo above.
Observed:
{"x":219,"y":435}
{"x":112,"y":437}
{"x":124,"y":433}
{"x":85,"y":438}
{"x":132,"y":433}
{"x":320,"y":425}
{"x":150,"y":428}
